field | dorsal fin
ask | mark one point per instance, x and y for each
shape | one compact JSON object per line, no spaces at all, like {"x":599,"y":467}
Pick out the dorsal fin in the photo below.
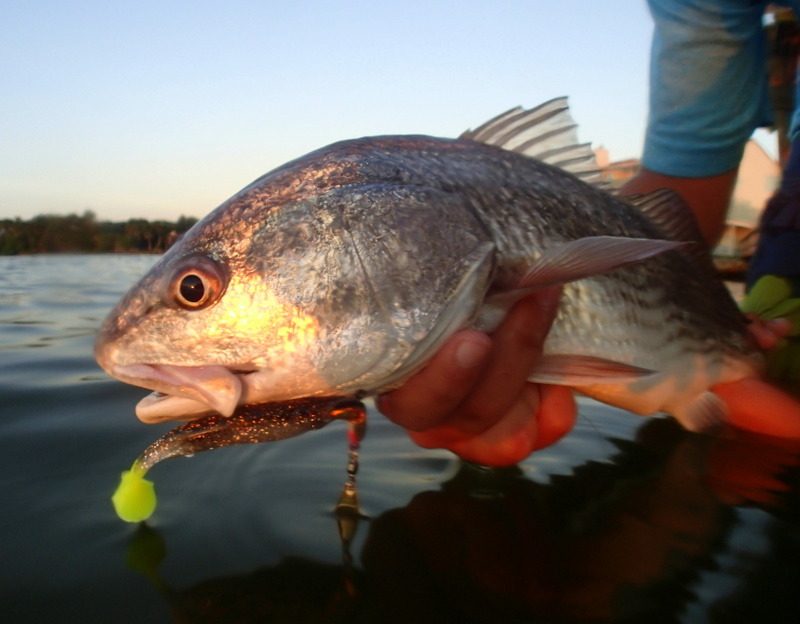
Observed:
{"x":546,"y":132}
{"x":668,"y":211}
{"x":671,"y":214}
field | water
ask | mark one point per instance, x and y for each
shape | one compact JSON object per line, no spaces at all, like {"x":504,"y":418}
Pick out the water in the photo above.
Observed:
{"x":626,"y":520}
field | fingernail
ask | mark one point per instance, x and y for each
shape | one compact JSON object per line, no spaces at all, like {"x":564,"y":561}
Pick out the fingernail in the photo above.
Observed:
{"x":471,"y":353}
{"x":780,"y":327}
{"x":549,"y":300}
{"x":779,"y":323}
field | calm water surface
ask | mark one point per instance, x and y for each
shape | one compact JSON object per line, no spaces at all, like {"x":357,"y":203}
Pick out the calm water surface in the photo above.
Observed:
{"x":626,"y":520}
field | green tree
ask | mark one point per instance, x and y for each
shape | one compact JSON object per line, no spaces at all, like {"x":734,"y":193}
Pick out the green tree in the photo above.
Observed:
{"x":49,"y":233}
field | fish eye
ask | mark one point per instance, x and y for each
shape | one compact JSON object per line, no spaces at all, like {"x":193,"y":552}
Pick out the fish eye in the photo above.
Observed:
{"x":192,"y":288}
{"x":197,"y":282}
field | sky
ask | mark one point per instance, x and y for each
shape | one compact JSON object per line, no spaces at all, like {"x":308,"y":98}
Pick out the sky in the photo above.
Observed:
{"x":160,"y":109}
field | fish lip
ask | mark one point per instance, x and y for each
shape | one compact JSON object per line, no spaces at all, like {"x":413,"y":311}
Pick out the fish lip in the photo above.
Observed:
{"x":158,"y":407}
{"x":185,"y":392}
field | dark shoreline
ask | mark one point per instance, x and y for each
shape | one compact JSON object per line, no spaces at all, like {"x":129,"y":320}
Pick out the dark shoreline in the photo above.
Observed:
{"x":85,"y":234}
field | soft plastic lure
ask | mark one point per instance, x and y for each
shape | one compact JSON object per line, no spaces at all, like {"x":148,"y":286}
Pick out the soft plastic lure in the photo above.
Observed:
{"x":135,"y":499}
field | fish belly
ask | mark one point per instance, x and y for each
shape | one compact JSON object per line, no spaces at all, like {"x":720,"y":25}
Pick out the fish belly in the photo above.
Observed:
{"x":682,"y":390}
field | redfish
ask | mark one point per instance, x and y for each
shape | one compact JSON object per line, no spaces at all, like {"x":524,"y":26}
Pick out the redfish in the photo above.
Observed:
{"x":342,"y":272}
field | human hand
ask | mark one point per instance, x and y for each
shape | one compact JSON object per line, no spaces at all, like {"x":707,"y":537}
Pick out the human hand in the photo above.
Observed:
{"x":767,"y":333}
{"x":773,"y":307}
{"x":473,"y":397}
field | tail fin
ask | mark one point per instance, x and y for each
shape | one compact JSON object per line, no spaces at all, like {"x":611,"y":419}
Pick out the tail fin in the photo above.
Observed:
{"x":757,"y":406}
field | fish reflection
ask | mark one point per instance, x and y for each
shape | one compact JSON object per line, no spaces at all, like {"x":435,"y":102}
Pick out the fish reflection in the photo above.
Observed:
{"x":621,"y":540}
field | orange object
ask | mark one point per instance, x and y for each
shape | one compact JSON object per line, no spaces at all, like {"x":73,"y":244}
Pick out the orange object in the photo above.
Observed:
{"x":755,"y":405}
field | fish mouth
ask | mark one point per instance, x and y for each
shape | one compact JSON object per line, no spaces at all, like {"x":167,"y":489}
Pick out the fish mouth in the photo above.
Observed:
{"x":158,"y":407}
{"x":182,"y":392}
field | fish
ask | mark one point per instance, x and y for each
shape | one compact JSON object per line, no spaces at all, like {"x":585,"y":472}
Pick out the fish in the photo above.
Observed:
{"x":342,"y":272}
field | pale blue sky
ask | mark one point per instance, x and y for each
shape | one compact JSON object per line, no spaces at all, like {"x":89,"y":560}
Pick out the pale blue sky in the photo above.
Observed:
{"x":157,"y":109}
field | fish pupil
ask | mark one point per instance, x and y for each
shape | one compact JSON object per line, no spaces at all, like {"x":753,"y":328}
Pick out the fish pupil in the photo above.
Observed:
{"x":192,"y":288}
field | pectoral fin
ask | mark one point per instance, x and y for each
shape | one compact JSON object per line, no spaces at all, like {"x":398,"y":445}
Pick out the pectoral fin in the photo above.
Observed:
{"x":567,"y":262}
{"x":582,"y":258}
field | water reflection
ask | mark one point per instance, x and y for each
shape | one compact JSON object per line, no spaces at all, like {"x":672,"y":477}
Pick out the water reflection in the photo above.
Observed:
{"x":627,"y":539}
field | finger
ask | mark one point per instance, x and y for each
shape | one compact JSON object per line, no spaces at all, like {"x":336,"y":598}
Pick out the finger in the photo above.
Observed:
{"x":508,"y":441}
{"x":429,"y":397}
{"x":767,"y":332}
{"x":543,"y":415}
{"x":556,"y":416}
{"x":517,"y":348}
{"x":755,"y":405}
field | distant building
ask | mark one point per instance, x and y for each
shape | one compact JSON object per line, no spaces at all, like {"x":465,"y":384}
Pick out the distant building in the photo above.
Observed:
{"x":615,"y":174}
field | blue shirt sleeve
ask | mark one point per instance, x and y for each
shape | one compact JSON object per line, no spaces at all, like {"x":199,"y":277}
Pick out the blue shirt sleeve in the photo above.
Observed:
{"x":708,"y":85}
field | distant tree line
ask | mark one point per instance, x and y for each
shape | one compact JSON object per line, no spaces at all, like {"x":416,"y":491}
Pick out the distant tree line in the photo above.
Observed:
{"x":85,"y":234}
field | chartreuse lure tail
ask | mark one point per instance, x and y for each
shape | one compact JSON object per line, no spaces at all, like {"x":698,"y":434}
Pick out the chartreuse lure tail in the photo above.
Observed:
{"x":135,"y":497}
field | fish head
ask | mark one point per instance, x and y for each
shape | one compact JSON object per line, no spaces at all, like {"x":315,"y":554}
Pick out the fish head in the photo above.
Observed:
{"x":295,"y":289}
{"x":198,"y":323}
{"x":212,"y":324}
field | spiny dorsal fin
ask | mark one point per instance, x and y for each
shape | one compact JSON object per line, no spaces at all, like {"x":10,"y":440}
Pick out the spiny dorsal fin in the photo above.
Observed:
{"x":668,"y":211}
{"x":671,"y":214}
{"x":546,"y":132}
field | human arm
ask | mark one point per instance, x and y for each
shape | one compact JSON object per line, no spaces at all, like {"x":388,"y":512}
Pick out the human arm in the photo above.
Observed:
{"x":708,"y":197}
